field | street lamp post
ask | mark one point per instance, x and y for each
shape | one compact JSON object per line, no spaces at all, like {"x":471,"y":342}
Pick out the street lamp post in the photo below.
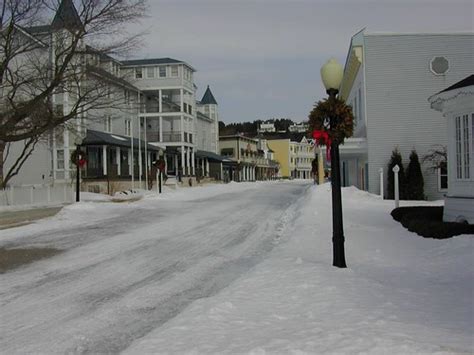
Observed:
{"x":78,"y":174}
{"x":331,"y":75}
{"x":161,"y":166}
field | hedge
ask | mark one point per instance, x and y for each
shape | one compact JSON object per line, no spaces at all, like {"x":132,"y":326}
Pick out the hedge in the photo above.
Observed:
{"x":427,"y":221}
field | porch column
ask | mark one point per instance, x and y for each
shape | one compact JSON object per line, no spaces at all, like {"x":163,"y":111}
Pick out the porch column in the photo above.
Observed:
{"x":161,"y":128}
{"x":104,"y":159}
{"x":160,"y":104}
{"x":222,"y":172}
{"x":192,"y":163}
{"x":207,"y":168}
{"x":182,"y":128}
{"x":188,"y":165}
{"x":129,"y":154}
{"x":183,"y":161}
{"x":119,"y":160}
{"x":176,"y":165}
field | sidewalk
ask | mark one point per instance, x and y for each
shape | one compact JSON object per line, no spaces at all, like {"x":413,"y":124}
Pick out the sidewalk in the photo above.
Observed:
{"x":10,"y":219}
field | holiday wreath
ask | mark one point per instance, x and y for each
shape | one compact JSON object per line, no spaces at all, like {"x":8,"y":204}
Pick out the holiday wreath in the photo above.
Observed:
{"x":79,"y":157}
{"x":325,"y":130}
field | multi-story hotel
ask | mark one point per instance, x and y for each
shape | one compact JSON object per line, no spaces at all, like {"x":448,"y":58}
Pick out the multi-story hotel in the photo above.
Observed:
{"x":151,"y":109}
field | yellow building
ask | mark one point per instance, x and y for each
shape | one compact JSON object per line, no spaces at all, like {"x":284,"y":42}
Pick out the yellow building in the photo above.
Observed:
{"x":294,"y":157}
{"x":281,"y":153}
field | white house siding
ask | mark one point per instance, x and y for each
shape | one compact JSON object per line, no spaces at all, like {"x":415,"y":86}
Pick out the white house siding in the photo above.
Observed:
{"x":37,"y":168}
{"x":398,"y":81}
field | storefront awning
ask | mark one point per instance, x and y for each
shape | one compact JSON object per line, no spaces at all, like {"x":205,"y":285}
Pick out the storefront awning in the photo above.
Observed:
{"x":211,"y":156}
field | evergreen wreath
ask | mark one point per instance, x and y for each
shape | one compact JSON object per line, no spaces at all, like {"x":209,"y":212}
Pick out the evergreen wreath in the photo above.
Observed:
{"x":78,"y":157}
{"x":319,"y":120}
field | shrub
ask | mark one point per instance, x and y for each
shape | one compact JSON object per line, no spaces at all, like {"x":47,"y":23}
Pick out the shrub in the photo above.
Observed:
{"x":427,"y":221}
{"x":414,"y":179}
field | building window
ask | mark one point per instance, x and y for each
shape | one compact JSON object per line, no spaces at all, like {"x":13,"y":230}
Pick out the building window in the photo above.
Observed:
{"x":150,"y":72}
{"x":462,"y":143}
{"x":128,"y":127}
{"x":162,"y":72}
{"x":174,"y":71}
{"x":138,"y":73}
{"x":60,"y":159}
{"x":359,"y":115}
{"x":354,"y":111}
{"x":443,"y":176}
{"x":108,"y":124}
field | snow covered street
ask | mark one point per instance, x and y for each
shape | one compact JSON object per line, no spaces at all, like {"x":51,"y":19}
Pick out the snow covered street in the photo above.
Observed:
{"x":126,"y":269}
{"x":237,"y":268}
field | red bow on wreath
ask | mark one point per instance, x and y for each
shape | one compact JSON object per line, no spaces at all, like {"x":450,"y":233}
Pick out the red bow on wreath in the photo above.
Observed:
{"x":323,"y":137}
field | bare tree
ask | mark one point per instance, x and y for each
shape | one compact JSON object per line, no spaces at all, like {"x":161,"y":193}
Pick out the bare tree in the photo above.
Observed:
{"x":39,"y":62}
{"x":436,"y":157}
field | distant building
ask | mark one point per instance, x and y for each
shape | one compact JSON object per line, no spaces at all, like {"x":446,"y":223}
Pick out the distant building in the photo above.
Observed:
{"x":387,"y":78}
{"x":250,"y":161}
{"x":266,"y":127}
{"x":299,"y":127}
{"x":294,"y":154}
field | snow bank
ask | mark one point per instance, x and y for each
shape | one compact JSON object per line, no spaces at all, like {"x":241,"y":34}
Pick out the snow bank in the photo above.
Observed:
{"x":401,"y":294}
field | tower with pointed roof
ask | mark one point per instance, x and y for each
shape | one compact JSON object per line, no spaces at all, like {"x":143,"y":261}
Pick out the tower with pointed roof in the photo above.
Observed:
{"x":209,"y":107}
{"x":66,"y":17}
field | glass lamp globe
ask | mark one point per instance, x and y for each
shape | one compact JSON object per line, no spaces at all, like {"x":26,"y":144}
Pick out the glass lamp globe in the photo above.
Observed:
{"x":331,"y":74}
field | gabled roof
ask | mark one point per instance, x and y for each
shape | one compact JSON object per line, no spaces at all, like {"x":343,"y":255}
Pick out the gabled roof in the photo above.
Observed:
{"x":469,"y":81}
{"x":66,"y":16}
{"x":105,"y":75}
{"x":208,"y":98}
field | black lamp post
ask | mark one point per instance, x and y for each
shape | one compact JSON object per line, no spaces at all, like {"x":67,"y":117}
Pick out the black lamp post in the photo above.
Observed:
{"x":331,"y":74}
{"x":161,"y":166}
{"x":78,"y":172}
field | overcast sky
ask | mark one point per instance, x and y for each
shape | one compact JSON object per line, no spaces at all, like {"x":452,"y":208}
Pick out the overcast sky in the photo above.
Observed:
{"x":261,"y":58}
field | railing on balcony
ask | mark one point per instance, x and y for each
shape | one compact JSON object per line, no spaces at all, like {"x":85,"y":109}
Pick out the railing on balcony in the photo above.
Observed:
{"x":153,"y":136}
{"x":171,"y":136}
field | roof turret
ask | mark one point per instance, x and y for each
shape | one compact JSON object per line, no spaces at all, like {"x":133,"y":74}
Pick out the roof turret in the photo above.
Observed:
{"x":208,"y":98}
{"x":66,"y":17}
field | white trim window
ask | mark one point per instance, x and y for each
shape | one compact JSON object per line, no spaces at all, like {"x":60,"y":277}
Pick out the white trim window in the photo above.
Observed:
{"x":128,"y":127}
{"x":359,"y":112}
{"x":442,"y":176}
{"x":60,"y":159}
{"x":138,"y":73}
{"x":162,"y":71}
{"x":150,"y":72}
{"x":108,"y":124}
{"x":463,"y":142}
{"x":174,"y":70}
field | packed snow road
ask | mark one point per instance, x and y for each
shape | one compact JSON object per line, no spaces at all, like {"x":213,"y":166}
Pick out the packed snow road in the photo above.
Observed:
{"x":127,"y":269}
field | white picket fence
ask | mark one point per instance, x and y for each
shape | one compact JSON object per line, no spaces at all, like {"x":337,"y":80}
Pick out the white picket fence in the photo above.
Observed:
{"x":37,"y":195}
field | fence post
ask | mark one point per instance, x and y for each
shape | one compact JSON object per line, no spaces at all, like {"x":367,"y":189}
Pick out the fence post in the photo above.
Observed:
{"x":381,"y":183}
{"x":395,"y":170}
